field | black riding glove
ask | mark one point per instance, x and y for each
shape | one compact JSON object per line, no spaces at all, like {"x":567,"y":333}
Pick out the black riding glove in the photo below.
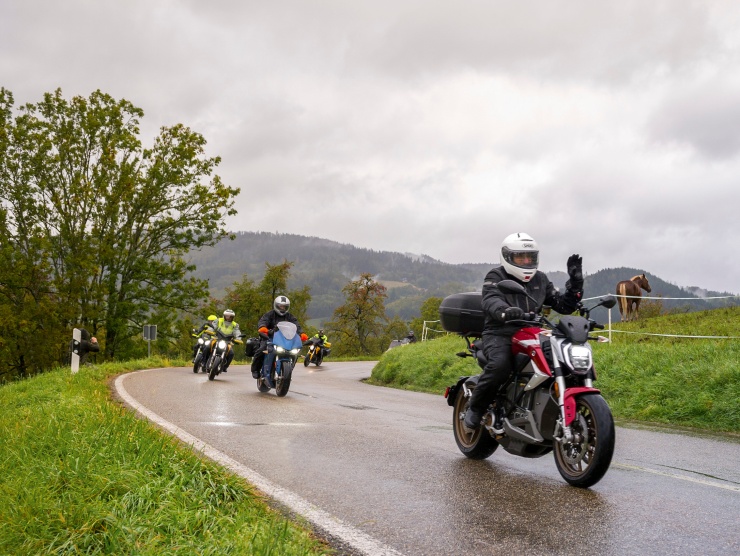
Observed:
{"x":513,"y":313}
{"x":575,"y":271}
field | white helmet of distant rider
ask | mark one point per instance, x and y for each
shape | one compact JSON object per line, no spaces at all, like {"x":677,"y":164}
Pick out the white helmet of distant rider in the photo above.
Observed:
{"x":229,"y":315}
{"x":520,"y":256}
{"x":281,"y":305}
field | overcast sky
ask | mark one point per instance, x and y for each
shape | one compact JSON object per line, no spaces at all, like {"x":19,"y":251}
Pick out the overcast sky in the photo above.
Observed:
{"x":609,"y":129}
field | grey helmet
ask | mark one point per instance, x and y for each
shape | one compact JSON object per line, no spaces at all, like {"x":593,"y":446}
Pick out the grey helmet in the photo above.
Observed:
{"x":281,"y":305}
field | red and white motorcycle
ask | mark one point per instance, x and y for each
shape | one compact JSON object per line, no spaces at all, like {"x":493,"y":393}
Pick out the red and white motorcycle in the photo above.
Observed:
{"x":549,"y":404}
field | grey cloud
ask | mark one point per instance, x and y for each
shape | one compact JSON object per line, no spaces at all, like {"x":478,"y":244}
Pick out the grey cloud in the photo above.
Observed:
{"x":707,"y":119}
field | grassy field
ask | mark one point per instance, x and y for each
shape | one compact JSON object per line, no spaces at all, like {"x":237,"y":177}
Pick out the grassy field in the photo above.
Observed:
{"x":689,"y":382}
{"x":79,"y":474}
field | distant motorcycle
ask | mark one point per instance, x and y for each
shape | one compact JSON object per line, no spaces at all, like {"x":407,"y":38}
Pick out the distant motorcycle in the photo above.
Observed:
{"x":397,"y":343}
{"x":316,"y":352}
{"x":221,"y":346}
{"x":199,"y":363}
{"x":549,"y":404}
{"x":282,"y":353}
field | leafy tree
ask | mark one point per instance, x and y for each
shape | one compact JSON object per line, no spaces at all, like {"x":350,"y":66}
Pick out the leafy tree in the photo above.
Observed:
{"x":361,"y":318}
{"x":112,"y":219}
{"x":429,"y":312}
{"x":396,"y":329}
{"x":250,"y":301}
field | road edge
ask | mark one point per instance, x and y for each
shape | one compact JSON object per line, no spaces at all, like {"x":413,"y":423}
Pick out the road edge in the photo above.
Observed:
{"x":332,"y":526}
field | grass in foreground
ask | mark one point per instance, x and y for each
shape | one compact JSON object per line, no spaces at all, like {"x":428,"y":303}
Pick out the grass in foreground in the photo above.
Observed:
{"x":79,"y":474}
{"x":685,"y":382}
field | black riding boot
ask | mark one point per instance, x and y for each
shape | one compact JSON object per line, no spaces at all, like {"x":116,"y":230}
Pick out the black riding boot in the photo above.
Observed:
{"x":483,"y":393}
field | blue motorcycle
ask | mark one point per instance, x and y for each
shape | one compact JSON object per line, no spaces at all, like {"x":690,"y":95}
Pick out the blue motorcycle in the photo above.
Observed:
{"x":282,"y":353}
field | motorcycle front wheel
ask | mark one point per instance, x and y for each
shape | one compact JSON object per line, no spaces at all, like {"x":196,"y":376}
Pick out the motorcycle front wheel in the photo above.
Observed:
{"x":319,"y":359}
{"x":584,"y":462}
{"x":476,"y":445}
{"x":307,"y":359}
{"x":196,"y":363}
{"x":283,"y":384}
{"x":213,"y":369}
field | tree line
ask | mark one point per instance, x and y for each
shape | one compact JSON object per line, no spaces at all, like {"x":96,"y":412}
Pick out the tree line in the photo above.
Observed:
{"x":95,"y":229}
{"x":360,"y":326}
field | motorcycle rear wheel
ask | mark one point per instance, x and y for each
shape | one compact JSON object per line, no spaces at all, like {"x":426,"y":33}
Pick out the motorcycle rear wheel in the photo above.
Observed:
{"x":215,"y":364}
{"x":584,"y":464}
{"x":476,"y":445}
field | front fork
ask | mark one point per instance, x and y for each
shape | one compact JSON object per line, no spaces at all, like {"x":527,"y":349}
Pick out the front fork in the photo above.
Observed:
{"x":563,"y":431}
{"x":567,"y":404}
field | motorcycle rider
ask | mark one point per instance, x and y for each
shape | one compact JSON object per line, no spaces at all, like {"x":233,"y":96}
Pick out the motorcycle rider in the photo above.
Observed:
{"x":227,"y":325}
{"x":322,"y":340}
{"x":411,"y":337}
{"x":209,"y":327}
{"x":519,"y":261}
{"x":266,"y":326}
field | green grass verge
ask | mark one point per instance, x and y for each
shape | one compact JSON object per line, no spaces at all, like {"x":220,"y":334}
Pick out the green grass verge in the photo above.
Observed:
{"x":80,"y":474}
{"x":685,"y":382}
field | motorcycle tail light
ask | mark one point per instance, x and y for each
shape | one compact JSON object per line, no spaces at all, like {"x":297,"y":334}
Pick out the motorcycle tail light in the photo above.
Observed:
{"x":447,"y":392}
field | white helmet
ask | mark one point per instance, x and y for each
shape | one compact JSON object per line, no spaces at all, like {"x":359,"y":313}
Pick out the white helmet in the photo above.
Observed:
{"x":281,"y":305}
{"x":229,"y":313}
{"x":520,"y":256}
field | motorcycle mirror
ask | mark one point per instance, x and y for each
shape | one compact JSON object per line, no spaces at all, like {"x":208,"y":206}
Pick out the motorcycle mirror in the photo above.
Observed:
{"x":608,"y":301}
{"x":509,"y":286}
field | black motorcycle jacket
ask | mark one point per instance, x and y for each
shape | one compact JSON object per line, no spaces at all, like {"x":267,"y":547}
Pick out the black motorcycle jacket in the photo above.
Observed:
{"x":270,"y":320}
{"x":495,"y":302}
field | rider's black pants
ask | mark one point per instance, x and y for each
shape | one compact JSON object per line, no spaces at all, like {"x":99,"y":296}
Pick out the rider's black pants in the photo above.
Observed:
{"x":499,"y":366}
{"x":259,"y":357}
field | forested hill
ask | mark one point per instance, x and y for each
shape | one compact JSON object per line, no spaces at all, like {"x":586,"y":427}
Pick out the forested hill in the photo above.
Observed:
{"x":326,"y":267}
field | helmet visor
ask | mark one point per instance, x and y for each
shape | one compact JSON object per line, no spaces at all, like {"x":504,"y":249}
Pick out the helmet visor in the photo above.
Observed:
{"x":282,"y":307}
{"x":521,"y":259}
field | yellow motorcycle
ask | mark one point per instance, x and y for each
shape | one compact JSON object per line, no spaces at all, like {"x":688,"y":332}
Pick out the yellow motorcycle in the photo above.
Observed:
{"x":316,"y":351}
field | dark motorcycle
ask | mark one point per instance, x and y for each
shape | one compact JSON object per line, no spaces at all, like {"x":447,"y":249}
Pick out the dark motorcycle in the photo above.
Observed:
{"x":204,"y":340}
{"x":549,"y":404}
{"x":316,"y":352}
{"x":221,"y":346}
{"x":282,"y":352}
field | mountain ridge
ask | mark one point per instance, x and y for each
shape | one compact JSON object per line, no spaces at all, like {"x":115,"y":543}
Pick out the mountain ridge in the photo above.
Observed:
{"x":326,"y":266}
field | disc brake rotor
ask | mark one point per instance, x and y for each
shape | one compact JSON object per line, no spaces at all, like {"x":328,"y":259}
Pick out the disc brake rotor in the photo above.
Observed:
{"x":573,"y":452}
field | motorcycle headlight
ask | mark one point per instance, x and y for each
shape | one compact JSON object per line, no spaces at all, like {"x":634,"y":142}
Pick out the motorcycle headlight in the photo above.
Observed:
{"x":579,"y":358}
{"x":279,"y":349}
{"x":295,"y":351}
{"x":222,"y":344}
{"x":201,"y":341}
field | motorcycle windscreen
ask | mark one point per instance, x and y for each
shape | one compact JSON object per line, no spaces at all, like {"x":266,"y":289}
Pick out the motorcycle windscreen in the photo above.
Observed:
{"x":286,"y":336}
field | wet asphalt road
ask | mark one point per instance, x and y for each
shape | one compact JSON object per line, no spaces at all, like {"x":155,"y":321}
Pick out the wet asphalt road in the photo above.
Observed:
{"x":385,"y":462}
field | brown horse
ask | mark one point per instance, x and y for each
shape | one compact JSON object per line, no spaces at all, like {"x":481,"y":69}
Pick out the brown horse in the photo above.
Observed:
{"x":629,"y":305}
